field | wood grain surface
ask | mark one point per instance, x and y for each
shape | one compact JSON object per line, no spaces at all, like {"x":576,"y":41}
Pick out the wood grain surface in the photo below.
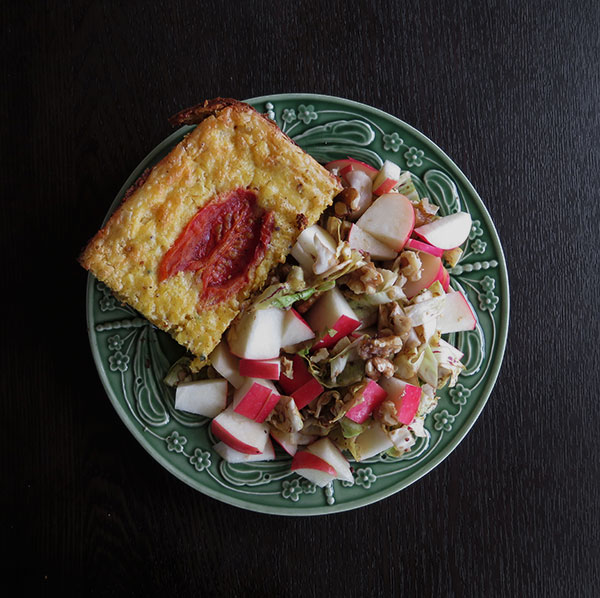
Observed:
{"x":509,"y":90}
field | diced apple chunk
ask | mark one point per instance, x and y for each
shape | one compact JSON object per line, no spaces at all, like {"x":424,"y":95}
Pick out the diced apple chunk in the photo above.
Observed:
{"x":325,"y":449}
{"x":257,"y":335}
{"x":363,"y":241}
{"x":390,"y":219}
{"x":239,"y":432}
{"x":202,"y":397}
{"x":226,"y":364}
{"x":232,"y":456}
{"x":332,"y":312}
{"x":446,"y":232}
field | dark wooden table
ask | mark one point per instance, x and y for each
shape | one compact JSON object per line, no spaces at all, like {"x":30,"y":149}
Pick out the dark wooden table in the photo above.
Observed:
{"x":509,"y":90}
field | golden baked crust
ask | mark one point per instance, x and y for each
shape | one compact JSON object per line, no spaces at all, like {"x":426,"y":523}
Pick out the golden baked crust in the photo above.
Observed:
{"x":232,"y":148}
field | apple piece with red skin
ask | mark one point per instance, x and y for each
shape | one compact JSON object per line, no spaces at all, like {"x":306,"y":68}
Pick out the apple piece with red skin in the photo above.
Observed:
{"x":406,"y":397}
{"x":250,"y":398}
{"x":232,"y":456}
{"x":446,"y":232}
{"x":417,"y":245}
{"x":202,"y":397}
{"x":257,"y":335}
{"x":300,"y":376}
{"x":364,"y":241}
{"x":307,"y":392}
{"x":346,"y":165}
{"x":372,"y":396}
{"x":387,"y":178}
{"x":266,"y":409}
{"x":457,"y":315}
{"x":289,"y":441}
{"x":326,"y":450}
{"x":331,"y":312}
{"x":295,"y":329}
{"x":390,"y":219}
{"x":313,"y":468}
{"x":432,"y":269}
{"x":445,"y":279}
{"x":240,"y":432}
{"x":268,"y":369}
{"x":227,"y":364}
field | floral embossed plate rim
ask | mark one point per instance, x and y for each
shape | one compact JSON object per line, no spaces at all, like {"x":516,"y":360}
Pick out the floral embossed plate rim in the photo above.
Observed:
{"x":131,"y":355}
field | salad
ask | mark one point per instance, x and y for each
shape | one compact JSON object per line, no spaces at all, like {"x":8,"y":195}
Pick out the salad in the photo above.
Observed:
{"x":340,"y":357}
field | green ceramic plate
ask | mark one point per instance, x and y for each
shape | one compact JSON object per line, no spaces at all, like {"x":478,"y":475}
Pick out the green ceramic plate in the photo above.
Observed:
{"x":132,"y":356}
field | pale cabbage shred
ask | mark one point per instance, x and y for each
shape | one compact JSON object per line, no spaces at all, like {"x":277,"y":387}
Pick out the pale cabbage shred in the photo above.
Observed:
{"x":426,"y":360}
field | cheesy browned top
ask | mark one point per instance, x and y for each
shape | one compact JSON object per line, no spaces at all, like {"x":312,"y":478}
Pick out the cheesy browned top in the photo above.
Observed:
{"x":232,"y":148}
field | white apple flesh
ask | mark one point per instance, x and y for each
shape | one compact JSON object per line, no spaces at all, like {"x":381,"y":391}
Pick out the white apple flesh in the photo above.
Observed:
{"x":447,"y":232}
{"x":372,"y":442}
{"x":295,"y":329}
{"x":313,"y":468}
{"x":203,"y":397}
{"x":390,"y":219}
{"x":325,"y":449}
{"x":367,"y":243}
{"x":226,"y":364}
{"x":239,"y":432}
{"x":387,"y":178}
{"x":232,"y":456}
{"x":332,"y":312}
{"x":257,"y":335}
{"x":457,"y":315}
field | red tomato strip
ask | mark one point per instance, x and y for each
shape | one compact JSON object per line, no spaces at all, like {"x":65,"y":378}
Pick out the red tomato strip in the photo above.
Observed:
{"x":222,"y":244}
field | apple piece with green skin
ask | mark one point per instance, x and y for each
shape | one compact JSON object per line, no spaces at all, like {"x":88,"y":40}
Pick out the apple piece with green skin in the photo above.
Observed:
{"x":363,"y":185}
{"x":367,"y":243}
{"x":457,"y":315}
{"x":295,"y":329}
{"x":305,"y":250}
{"x":257,"y":335}
{"x":290,"y":441}
{"x":417,"y":245}
{"x":446,"y":232}
{"x":307,"y":392}
{"x":387,"y":178}
{"x":313,"y":468}
{"x":343,"y":167}
{"x":202,"y":397}
{"x":232,"y":456}
{"x":331,"y":312}
{"x":390,"y":219}
{"x":227,"y":364}
{"x":267,"y":369}
{"x":372,"y":441}
{"x":326,"y":450}
{"x":406,"y":397}
{"x":372,"y":396}
{"x":431,"y":270}
{"x":239,"y":432}
{"x":249,"y":400}
{"x":300,"y":376}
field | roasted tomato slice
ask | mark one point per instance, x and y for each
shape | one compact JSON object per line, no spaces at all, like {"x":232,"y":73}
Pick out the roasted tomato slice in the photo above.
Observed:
{"x":223,"y":243}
